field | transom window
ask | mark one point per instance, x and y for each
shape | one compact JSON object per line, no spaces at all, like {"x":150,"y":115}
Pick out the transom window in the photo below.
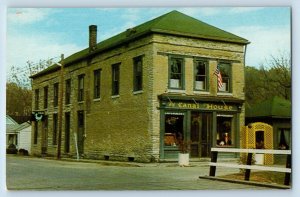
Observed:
{"x":201,"y":75}
{"x":176,"y":77}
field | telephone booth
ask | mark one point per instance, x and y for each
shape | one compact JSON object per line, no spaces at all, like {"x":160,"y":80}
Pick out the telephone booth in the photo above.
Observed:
{"x":258,"y":135}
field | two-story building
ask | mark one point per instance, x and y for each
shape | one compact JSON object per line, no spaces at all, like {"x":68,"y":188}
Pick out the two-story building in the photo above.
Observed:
{"x":132,"y":96}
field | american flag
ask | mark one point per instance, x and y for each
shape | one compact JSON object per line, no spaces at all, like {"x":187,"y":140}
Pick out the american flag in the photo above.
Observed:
{"x":219,"y":76}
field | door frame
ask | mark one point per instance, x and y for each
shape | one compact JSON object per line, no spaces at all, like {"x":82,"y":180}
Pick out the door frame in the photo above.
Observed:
{"x":209,"y":134}
{"x":80,"y":134}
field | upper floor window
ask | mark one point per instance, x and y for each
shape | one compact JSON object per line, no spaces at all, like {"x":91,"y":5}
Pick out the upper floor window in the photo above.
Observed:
{"x":201,"y":75}
{"x":137,"y":73}
{"x":68,"y":91}
{"x":176,"y":75}
{"x":225,"y":69}
{"x":80,"y":87}
{"x":55,"y":94}
{"x":115,"y":79}
{"x":97,"y":81}
{"x":46,"y":97}
{"x":36,"y":99}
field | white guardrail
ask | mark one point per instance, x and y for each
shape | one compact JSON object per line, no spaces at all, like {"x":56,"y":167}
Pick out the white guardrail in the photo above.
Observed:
{"x":287,"y":170}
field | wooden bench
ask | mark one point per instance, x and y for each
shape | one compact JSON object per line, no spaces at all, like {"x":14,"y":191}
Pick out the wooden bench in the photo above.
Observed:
{"x":214,"y":155}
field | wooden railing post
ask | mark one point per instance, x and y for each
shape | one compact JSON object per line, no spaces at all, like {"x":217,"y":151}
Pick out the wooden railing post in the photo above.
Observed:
{"x":214,"y":157}
{"x":249,"y":161}
{"x":288,"y":175}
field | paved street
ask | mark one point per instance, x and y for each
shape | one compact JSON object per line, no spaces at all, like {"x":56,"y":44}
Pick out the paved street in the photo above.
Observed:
{"x":45,"y":174}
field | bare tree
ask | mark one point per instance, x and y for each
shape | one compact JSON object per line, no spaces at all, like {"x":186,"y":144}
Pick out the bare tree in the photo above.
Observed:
{"x":18,"y":87}
{"x":20,"y":76}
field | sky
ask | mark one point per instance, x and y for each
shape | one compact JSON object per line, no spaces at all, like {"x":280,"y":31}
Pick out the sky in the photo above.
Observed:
{"x":35,"y":34}
{"x":41,"y":34}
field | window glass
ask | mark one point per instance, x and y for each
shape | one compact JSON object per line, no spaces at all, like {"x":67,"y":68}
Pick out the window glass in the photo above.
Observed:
{"x":176,"y":73}
{"x":138,"y":73}
{"x":115,"y":79}
{"x":55,"y":94}
{"x":284,"y":139}
{"x":200,"y":75}
{"x":225,"y":69}
{"x":97,"y":79}
{"x":173,"y":129}
{"x":45,"y":97}
{"x":80,"y":87}
{"x":224,"y":131}
{"x":68,"y":91}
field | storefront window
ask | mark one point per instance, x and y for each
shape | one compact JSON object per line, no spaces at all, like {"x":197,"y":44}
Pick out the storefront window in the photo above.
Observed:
{"x":224,"y":131}
{"x":173,"y":129}
{"x":284,"y":139}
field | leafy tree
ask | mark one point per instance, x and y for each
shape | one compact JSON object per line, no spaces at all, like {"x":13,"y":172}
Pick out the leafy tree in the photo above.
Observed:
{"x":273,"y":78}
{"x":18,"y":100}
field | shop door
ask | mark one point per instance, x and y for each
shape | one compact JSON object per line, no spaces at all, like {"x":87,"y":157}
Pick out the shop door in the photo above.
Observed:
{"x":80,"y":132}
{"x":201,"y":124}
{"x":45,"y":136}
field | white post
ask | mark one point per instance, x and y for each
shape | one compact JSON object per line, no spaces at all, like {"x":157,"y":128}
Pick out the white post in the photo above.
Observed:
{"x":76,"y":145}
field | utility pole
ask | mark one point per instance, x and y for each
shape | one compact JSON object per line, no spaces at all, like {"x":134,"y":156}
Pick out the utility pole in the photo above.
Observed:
{"x":60,"y":109}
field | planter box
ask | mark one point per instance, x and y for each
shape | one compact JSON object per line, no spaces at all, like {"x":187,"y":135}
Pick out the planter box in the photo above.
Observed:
{"x":184,"y":159}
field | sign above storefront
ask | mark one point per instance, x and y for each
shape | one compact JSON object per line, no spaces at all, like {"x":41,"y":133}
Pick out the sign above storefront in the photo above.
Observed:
{"x":202,"y":106}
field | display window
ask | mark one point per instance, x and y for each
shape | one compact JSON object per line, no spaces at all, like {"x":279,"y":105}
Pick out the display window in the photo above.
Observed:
{"x":173,"y":129}
{"x":224,"y":130}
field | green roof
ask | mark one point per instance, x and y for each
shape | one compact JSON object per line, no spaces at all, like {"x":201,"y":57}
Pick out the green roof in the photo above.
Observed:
{"x":174,"y":23}
{"x":276,"y":108}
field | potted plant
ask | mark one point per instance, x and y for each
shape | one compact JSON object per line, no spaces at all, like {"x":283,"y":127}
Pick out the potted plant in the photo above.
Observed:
{"x":183,"y":155}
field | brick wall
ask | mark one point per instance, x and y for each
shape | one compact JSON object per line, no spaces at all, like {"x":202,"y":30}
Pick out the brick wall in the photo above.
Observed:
{"x":129,"y":125}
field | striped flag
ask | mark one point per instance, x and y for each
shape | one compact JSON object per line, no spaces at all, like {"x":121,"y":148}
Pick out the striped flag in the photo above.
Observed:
{"x":219,"y":76}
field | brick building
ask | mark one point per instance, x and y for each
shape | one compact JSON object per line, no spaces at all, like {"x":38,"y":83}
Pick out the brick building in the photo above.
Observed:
{"x":133,"y":95}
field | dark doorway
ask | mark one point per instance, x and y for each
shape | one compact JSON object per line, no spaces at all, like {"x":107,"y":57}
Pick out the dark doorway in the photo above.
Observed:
{"x":44,"y":144}
{"x":80,"y":132}
{"x":259,"y":139}
{"x":67,"y":132}
{"x":201,"y":124}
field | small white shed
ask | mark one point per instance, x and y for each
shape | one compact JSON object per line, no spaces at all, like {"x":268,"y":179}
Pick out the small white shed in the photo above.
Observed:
{"x":24,"y":136}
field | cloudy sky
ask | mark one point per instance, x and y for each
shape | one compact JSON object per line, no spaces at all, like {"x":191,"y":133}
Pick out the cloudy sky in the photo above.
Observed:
{"x":37,"y":34}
